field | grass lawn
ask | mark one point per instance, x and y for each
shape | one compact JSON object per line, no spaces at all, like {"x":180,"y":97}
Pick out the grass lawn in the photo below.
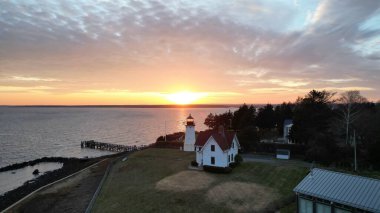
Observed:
{"x":158,"y":180}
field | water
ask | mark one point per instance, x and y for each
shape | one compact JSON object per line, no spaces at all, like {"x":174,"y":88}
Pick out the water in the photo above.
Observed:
{"x":27,"y":133}
{"x":10,"y":180}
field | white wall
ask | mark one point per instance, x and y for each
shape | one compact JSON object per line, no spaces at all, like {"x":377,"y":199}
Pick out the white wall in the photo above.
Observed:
{"x":234,"y":150}
{"x":203,"y":157}
{"x":221,"y":158}
{"x":287,"y":129}
{"x":283,"y":157}
{"x":199,"y":155}
{"x":189,"y":139}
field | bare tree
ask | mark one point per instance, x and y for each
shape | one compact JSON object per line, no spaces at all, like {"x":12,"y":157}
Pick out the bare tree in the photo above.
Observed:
{"x":350,"y":107}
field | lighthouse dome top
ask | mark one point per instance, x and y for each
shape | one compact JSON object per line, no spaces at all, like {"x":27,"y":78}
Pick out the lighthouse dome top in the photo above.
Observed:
{"x":190,"y":117}
{"x":190,"y":121}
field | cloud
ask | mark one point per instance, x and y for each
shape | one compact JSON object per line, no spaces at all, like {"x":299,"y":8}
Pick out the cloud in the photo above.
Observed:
{"x":22,"y":78}
{"x":341,"y":80}
{"x":288,"y":90}
{"x":257,"y":73}
{"x":19,"y":89}
{"x":347,"y":88}
{"x":235,"y":46}
{"x":288,"y":83}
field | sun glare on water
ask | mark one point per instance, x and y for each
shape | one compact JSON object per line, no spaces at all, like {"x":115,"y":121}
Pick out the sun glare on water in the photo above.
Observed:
{"x":183,"y":98}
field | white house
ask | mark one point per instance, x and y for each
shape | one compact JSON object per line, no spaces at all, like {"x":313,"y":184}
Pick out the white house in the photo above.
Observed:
{"x":189,"y":135}
{"x":288,"y":124}
{"x":216,"y":148}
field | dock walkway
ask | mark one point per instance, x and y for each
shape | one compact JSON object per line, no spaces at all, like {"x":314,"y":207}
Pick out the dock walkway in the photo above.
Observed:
{"x":111,"y":147}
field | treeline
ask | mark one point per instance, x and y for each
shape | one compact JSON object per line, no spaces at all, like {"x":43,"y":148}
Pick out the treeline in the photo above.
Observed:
{"x":325,"y":123}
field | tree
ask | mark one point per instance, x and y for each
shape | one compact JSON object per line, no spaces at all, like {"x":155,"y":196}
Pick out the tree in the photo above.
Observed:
{"x":266,"y":117}
{"x":312,"y":116}
{"x":214,"y":121}
{"x":322,"y":149}
{"x":367,"y":127}
{"x":350,"y":103}
{"x":210,"y":121}
{"x":224,"y":119}
{"x":248,"y":137}
{"x":244,"y":117}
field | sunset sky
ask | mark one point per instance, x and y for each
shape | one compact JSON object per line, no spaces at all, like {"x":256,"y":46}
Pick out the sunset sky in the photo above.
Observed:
{"x":214,"y":52}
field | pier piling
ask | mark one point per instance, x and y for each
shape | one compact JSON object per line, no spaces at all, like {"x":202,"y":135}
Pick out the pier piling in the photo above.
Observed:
{"x":111,"y":147}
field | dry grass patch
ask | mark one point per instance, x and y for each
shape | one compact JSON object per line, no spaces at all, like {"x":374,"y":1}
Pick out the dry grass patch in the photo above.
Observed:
{"x":243,"y":197}
{"x":185,"y":181}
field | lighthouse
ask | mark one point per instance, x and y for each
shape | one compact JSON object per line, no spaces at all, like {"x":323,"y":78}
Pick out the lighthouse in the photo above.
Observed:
{"x":189,"y":135}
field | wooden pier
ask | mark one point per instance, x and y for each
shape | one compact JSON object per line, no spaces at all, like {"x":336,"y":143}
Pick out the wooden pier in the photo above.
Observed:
{"x":111,"y":147}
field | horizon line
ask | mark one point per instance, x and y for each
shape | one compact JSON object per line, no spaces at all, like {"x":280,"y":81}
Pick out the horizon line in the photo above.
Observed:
{"x":138,"y":105}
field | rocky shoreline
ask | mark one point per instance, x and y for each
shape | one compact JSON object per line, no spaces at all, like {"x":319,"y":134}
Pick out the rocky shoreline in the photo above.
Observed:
{"x":70,"y":166}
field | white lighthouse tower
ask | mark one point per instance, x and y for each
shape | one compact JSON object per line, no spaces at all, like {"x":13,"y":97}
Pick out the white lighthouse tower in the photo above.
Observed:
{"x":189,"y":135}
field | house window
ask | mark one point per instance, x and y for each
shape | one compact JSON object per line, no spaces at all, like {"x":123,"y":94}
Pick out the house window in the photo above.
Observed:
{"x":305,"y":206}
{"x":212,"y":148}
{"x":233,"y":145}
{"x":322,"y":208}
{"x":341,"y":211}
{"x":228,"y":158}
{"x":212,"y":160}
{"x":199,"y":148}
{"x":232,"y":157}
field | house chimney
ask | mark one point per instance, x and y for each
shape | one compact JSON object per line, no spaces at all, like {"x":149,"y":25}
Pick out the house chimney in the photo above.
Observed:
{"x":221,"y":131}
{"x":311,"y":170}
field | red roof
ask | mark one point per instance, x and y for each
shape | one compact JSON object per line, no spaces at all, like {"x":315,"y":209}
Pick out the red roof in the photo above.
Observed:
{"x":224,"y":141}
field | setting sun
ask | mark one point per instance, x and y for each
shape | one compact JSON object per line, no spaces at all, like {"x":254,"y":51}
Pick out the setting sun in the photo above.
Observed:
{"x":184,"y":97}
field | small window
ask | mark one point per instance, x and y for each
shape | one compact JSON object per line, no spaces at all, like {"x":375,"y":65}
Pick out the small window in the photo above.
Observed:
{"x":212,"y":148}
{"x":199,"y":148}
{"x":337,"y":210}
{"x":305,"y":206}
{"x":322,"y":208}
{"x":212,"y":160}
{"x":228,"y":158}
{"x":233,"y":145}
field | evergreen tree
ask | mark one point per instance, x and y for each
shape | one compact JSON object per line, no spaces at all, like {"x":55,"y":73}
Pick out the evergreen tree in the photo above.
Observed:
{"x":266,"y":118}
{"x":312,"y":116}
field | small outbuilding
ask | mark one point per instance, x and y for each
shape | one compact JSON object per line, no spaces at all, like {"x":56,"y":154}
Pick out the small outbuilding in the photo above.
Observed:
{"x":216,"y":148}
{"x":283,"y":154}
{"x":324,"y":191}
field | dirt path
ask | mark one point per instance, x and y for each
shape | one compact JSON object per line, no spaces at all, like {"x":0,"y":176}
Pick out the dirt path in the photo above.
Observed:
{"x":71,"y":195}
{"x":274,"y":161}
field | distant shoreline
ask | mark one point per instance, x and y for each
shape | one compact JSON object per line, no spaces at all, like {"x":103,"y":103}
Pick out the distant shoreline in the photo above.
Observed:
{"x":133,"y":106}
{"x":137,"y":106}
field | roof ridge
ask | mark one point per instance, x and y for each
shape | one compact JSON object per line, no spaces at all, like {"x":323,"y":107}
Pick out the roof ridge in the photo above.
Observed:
{"x":348,"y":174}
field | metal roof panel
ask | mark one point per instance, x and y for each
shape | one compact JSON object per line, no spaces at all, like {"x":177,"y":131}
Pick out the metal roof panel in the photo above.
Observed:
{"x":356,"y":191}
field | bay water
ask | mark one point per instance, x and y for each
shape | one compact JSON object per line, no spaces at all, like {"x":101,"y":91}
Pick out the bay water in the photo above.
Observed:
{"x":28,"y":133}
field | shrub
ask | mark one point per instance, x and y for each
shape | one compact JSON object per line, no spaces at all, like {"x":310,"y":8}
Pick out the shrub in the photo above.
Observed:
{"x":214,"y":169}
{"x":238,"y":159}
{"x":233,"y":164}
{"x":194,"y":163}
